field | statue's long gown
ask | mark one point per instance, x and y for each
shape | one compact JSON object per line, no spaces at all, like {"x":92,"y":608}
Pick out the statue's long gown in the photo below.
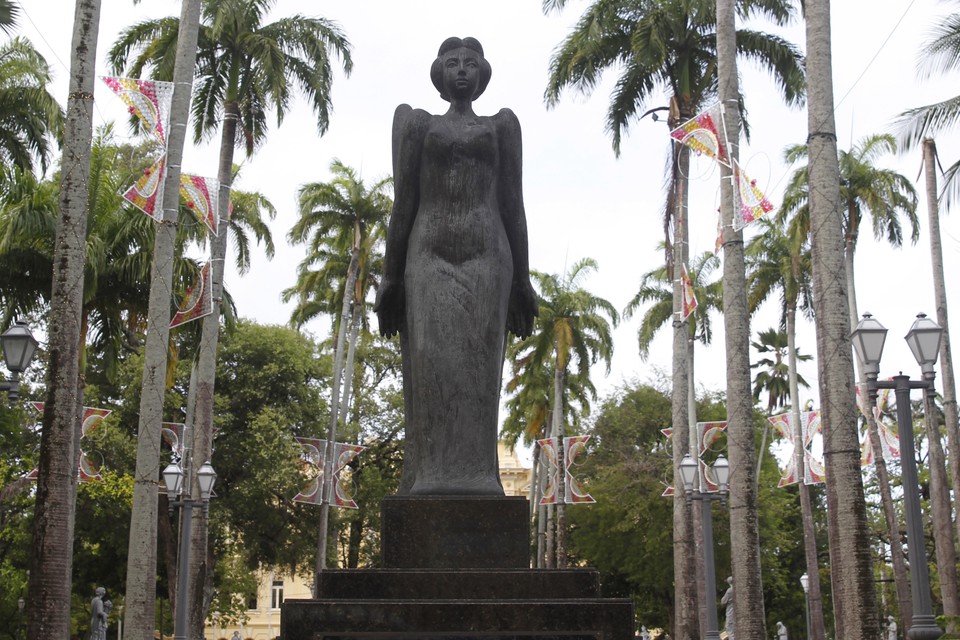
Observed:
{"x":457,"y":283}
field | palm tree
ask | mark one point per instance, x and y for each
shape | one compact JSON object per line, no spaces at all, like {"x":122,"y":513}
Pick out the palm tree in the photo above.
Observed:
{"x":244,"y":67}
{"x":572,"y":333}
{"x":338,"y":218}
{"x":886,"y":195}
{"x":52,"y":549}
{"x":667,"y":46}
{"x":773,"y":373}
{"x":778,"y":261}
{"x":850,"y":562}
{"x":9,"y":13}
{"x":30,"y":118}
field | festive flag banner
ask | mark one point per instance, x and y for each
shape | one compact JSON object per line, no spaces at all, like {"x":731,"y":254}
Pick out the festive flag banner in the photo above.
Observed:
{"x":813,"y":470}
{"x":702,"y":134}
{"x":146,"y":193}
{"x":718,"y":243}
{"x":89,"y":472}
{"x":668,"y":490}
{"x":172,"y":433}
{"x":149,"y":100}
{"x":92,"y":417}
{"x":883,"y":413}
{"x":313,"y":452}
{"x":689,"y":296}
{"x":783,"y":423}
{"x":201,"y":196}
{"x":667,"y":432}
{"x":548,"y":450}
{"x":751,"y":202}
{"x":707,"y":435}
{"x":198,"y":301}
{"x":573,"y":491}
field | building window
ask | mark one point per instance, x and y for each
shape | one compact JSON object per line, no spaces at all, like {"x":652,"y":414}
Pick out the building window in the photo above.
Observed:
{"x":276,"y":594}
{"x":252,"y":601}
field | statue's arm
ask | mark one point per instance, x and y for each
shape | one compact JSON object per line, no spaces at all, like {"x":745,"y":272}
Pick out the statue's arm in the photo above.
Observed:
{"x":523,"y":299}
{"x":409,"y":127}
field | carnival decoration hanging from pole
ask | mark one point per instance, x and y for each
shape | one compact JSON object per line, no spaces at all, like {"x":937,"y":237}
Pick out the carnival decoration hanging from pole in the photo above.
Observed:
{"x":573,"y":491}
{"x":201,"y":196}
{"x":337,"y":492}
{"x":707,"y":435}
{"x":702,"y":133}
{"x":92,"y":418}
{"x":198,"y":301}
{"x":889,"y":438}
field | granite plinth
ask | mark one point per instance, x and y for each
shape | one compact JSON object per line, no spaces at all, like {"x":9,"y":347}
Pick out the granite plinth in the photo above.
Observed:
{"x":452,"y":532}
{"x":598,"y":619}
{"x":459,"y":584}
{"x":456,"y":568}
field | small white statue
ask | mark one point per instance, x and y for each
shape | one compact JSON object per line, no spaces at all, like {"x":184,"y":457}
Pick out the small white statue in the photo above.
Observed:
{"x":644,"y":634}
{"x":781,"y":631}
{"x":891,"y":628}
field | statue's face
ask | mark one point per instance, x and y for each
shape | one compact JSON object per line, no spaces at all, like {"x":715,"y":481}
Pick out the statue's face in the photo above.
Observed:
{"x":461,"y":73}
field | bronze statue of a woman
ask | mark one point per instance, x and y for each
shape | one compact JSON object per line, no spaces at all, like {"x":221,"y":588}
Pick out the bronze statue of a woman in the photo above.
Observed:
{"x":456,"y":276}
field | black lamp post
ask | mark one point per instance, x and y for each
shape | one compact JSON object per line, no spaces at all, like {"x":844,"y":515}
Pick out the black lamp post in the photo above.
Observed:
{"x":173,"y":479}
{"x":924,"y":341}
{"x":19,"y":346}
{"x":688,"y":473}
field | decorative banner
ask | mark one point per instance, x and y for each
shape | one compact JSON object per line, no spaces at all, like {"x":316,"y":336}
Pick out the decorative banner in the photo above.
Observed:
{"x":668,"y":490}
{"x":718,"y":243}
{"x":92,"y":418}
{"x":172,"y":433}
{"x":146,"y":193}
{"x":750,"y":201}
{"x":573,"y":491}
{"x":149,"y":100}
{"x":689,"y":297}
{"x":707,"y":435}
{"x":783,"y":423}
{"x":813,"y":470}
{"x":198,"y":302}
{"x":889,"y":436}
{"x":201,"y":195}
{"x":548,"y":450}
{"x":313,"y":453}
{"x":667,"y":432}
{"x":702,"y":134}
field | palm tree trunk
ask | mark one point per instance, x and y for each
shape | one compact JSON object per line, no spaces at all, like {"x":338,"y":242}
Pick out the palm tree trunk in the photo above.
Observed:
{"x":561,"y":562}
{"x":348,"y":372}
{"x":51,"y":559}
{"x":542,"y":512}
{"x":749,"y":621}
{"x":815,"y":603}
{"x":897,"y":556}
{"x":948,"y":381}
{"x":201,"y":574}
{"x":698,"y":505}
{"x":534,"y":498}
{"x":139,"y":611}
{"x":327,"y":484}
{"x":684,"y":548}
{"x":854,"y":592}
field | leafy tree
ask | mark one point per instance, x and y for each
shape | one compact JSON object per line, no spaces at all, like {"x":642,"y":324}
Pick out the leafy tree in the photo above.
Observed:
{"x":30,"y":118}
{"x":773,"y":371}
{"x":572,"y":333}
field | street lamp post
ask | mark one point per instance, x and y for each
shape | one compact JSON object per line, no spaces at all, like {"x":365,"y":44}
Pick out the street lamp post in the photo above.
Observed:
{"x":19,"y":346}
{"x":805,"y":583}
{"x":924,"y":341}
{"x":688,"y":472}
{"x":173,"y":479}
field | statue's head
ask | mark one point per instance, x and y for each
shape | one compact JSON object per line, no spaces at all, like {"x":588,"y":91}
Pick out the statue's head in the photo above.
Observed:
{"x":100,"y":591}
{"x":450,"y":46}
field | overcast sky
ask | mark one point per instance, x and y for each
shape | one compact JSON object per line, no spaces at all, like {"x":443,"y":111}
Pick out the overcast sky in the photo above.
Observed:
{"x":581,"y":201}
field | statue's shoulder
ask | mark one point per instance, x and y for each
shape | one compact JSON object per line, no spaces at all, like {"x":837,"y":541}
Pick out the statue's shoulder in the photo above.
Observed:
{"x":506,"y":120}
{"x":407,"y":120}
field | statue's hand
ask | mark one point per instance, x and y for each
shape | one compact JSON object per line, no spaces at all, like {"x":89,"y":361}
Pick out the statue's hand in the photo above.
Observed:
{"x":522,"y":309}
{"x":389,"y":306}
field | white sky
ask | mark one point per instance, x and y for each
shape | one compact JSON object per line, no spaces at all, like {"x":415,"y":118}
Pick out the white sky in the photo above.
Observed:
{"x":580,"y":200}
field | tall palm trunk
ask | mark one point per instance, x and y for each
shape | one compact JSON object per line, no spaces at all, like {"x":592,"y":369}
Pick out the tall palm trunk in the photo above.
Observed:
{"x":947,"y":379}
{"x":201,"y":572}
{"x":51,"y":560}
{"x":854,"y":593}
{"x":749,"y":619}
{"x":139,"y":610}
{"x":698,"y":506}
{"x":684,"y":548}
{"x":817,"y":626}
{"x":561,"y":532}
{"x":542,"y":511}
{"x":352,"y":272}
{"x":891,"y":519}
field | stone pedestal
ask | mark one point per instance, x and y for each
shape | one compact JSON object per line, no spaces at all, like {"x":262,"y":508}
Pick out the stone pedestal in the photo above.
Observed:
{"x":456,"y":568}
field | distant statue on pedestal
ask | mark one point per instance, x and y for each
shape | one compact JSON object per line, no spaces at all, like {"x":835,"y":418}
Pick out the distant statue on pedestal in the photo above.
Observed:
{"x":781,"y":631}
{"x":727,"y":601}
{"x":891,"y":628}
{"x":98,"y":615}
{"x":644,"y":634}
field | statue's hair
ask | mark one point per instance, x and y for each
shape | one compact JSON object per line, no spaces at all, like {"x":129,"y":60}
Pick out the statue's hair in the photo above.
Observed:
{"x":436,"y":69}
